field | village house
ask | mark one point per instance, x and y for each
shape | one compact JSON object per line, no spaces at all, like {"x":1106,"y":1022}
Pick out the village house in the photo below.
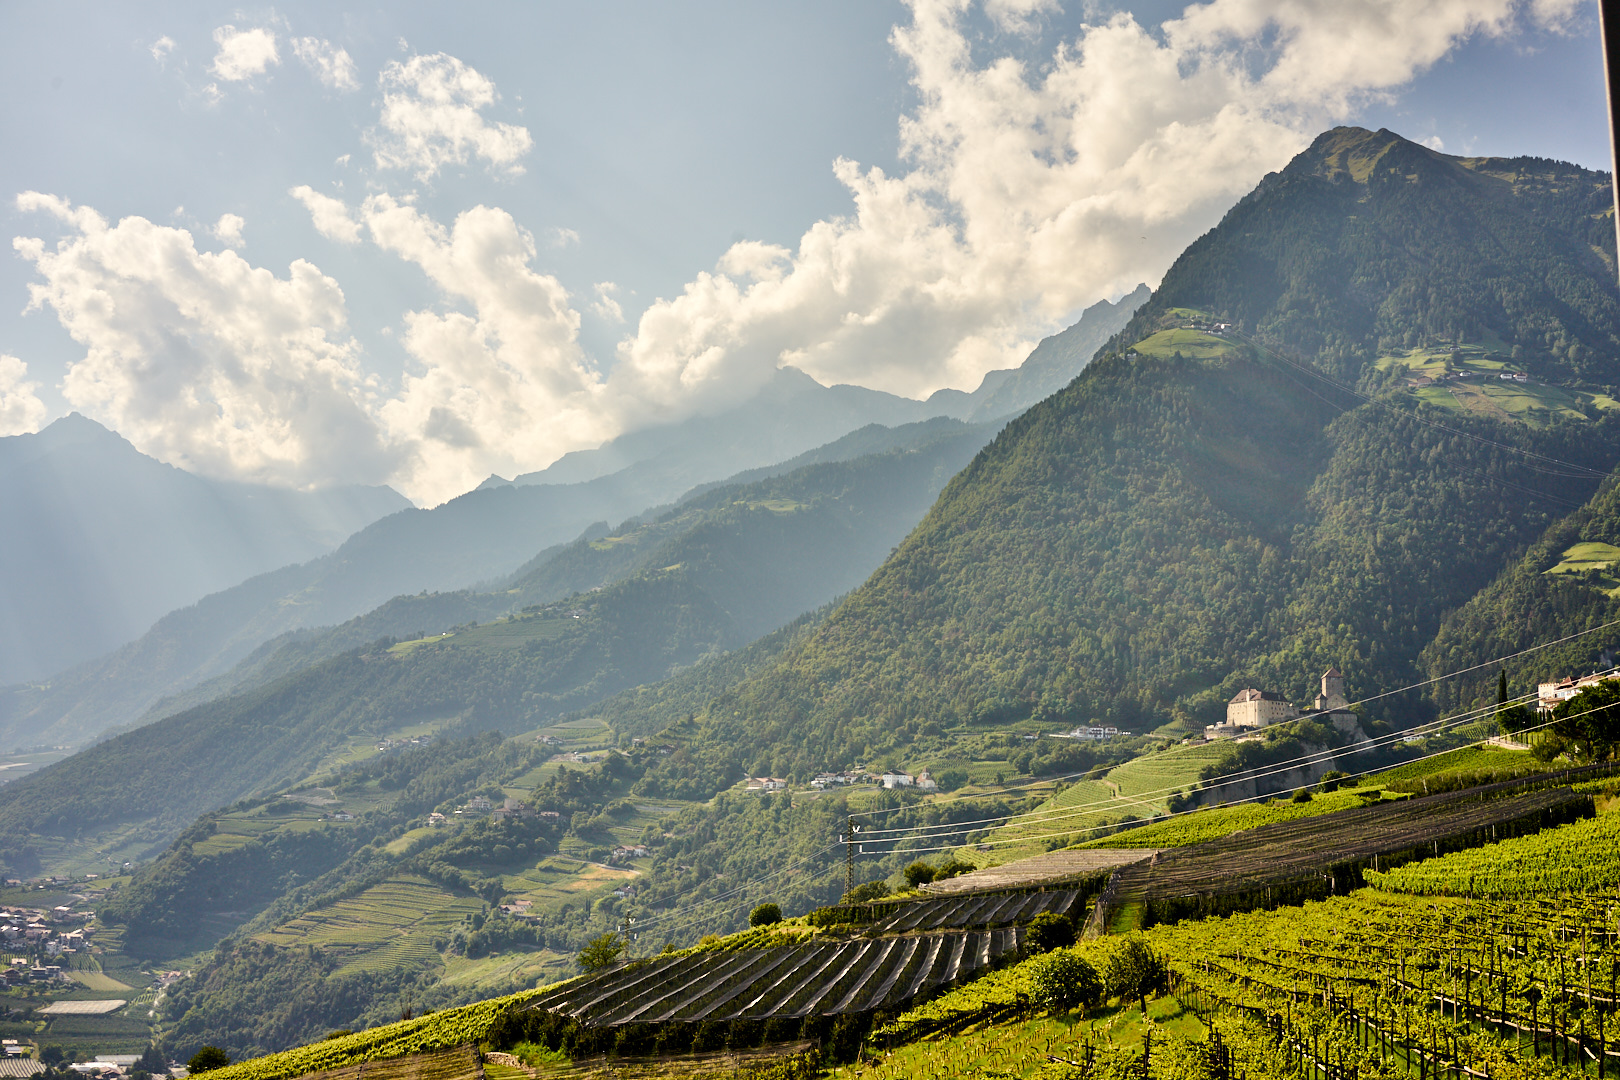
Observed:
{"x":1550,"y":695}
{"x":893,"y":780}
{"x":766,"y":783}
{"x":480,"y":804}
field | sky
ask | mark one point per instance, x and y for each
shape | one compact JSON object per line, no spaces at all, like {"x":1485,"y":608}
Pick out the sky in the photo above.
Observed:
{"x":307,"y":244}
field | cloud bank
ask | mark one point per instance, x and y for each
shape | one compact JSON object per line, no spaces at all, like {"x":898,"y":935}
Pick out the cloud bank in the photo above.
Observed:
{"x":1027,"y":190}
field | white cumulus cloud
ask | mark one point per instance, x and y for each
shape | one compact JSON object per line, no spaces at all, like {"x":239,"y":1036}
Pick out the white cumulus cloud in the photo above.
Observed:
{"x":243,"y":53}
{"x":432,"y":116}
{"x":497,"y":389}
{"x":1030,"y":189}
{"x":606,"y":305}
{"x":228,"y":230}
{"x":161,"y":48}
{"x":332,"y":65}
{"x":21,"y":410}
{"x":330,"y":215}
{"x":203,"y":360}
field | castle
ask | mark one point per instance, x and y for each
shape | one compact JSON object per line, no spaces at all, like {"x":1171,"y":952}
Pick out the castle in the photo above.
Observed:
{"x":1254,"y":709}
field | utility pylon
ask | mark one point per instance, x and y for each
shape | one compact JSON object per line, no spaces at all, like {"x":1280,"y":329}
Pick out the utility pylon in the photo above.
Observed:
{"x":850,"y":829}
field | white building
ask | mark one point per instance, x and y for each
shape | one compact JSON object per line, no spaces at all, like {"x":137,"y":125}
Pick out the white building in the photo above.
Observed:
{"x":1550,"y":695}
{"x":894,"y":780}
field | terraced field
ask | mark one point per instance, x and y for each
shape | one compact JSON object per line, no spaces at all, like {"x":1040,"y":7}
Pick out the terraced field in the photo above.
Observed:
{"x":814,"y":979}
{"x":388,"y":924}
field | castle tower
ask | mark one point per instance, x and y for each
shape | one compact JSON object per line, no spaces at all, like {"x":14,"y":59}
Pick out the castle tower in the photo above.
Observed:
{"x":1332,"y":695}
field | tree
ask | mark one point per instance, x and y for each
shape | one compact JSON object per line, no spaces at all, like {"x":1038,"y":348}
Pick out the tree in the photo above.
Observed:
{"x":209,"y":1057}
{"x":1065,"y":979}
{"x":862,"y":894}
{"x":1049,"y":931}
{"x":1590,"y":721}
{"x":1511,"y":719}
{"x":920,"y":873}
{"x":1134,"y":971}
{"x":599,"y":952}
{"x":764,"y":915}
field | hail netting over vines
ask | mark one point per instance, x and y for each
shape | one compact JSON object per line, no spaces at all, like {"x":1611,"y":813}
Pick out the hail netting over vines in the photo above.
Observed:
{"x":815,"y":979}
{"x":1373,"y":983}
{"x":1317,"y":857}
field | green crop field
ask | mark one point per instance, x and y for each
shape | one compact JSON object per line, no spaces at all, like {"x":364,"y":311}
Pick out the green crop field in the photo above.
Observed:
{"x":390,"y":923}
{"x":1195,"y":344}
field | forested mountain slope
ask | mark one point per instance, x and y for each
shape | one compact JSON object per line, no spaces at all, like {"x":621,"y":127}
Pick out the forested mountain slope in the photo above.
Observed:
{"x":1170,"y":527}
{"x":709,"y":576}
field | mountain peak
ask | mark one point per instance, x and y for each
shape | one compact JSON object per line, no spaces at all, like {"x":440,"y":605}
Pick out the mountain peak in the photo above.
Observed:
{"x":1353,"y":153}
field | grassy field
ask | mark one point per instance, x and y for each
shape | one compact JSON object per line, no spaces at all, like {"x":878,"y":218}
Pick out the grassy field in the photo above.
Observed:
{"x":1591,"y":557}
{"x":500,"y":972}
{"x":508,"y":632}
{"x":1195,"y":344}
{"x":561,"y":880}
{"x":1486,"y":394}
{"x":391,"y":923}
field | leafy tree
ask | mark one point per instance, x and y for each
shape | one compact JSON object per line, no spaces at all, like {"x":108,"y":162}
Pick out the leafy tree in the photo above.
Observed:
{"x":920,"y":873}
{"x":765,"y":915}
{"x":209,"y":1057}
{"x":1590,"y":721}
{"x":1049,"y":931}
{"x":1064,"y":979}
{"x":1135,"y":971}
{"x":601,"y":951}
{"x":864,"y":894}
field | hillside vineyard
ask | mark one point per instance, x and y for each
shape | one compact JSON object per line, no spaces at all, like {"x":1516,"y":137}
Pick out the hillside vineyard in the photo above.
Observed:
{"x":959,"y":743}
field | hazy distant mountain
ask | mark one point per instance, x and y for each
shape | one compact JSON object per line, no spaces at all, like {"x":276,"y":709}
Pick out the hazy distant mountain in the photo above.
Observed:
{"x":486,"y":533}
{"x":1052,"y":366}
{"x":97,"y":540}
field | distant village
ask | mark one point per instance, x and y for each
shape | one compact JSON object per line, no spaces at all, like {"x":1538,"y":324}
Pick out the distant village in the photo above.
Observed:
{"x":40,"y":940}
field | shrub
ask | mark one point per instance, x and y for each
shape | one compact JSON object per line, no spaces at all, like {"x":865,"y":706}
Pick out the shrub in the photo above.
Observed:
{"x":919,"y":873}
{"x":1048,"y":931}
{"x":601,"y":951}
{"x":872,"y":890}
{"x":1301,"y":795}
{"x":765,"y":915}
{"x":209,"y":1057}
{"x":1064,"y":980}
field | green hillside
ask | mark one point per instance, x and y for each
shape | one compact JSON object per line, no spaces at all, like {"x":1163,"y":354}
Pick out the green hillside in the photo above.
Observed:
{"x":709,"y":576}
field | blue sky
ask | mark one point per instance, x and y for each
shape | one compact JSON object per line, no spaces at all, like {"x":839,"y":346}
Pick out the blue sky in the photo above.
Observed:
{"x":487,"y":296}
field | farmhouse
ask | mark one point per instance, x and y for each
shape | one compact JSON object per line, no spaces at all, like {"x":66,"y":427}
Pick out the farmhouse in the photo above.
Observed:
{"x":766,"y":783}
{"x":1550,"y":695}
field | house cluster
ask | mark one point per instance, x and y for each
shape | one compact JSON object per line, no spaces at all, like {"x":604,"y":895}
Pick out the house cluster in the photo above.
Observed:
{"x":1455,"y":376}
{"x":922,"y":781}
{"x":59,"y":932}
{"x":385,"y":745}
{"x":1099,"y":734}
{"x":625,"y":853}
{"x":1251,"y":710}
{"x":1550,"y":695}
{"x":518,"y":908}
{"x":767,"y":783}
{"x":825,"y":780}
